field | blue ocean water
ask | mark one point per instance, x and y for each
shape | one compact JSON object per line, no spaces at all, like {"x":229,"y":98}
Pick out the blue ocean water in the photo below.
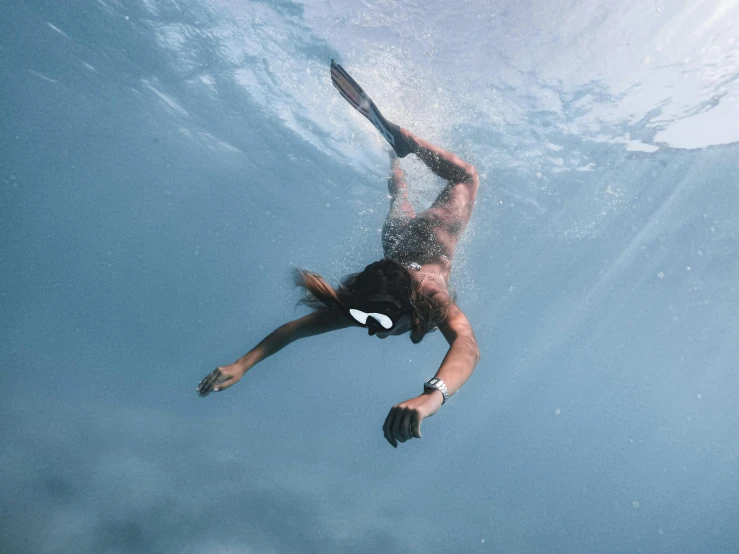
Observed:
{"x":165,"y":164}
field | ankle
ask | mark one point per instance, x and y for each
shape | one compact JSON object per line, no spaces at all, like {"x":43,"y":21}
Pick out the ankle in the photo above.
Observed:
{"x":410,"y":139}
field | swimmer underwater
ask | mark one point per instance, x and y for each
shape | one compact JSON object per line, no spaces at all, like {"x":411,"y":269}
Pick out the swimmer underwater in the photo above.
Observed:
{"x":406,"y":291}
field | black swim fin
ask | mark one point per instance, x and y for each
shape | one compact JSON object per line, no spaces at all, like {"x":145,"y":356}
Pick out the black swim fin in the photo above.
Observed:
{"x":353,"y":93}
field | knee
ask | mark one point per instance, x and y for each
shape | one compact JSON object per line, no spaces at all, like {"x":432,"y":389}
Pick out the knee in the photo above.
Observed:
{"x":469,"y":177}
{"x":468,"y":172}
{"x":471,"y":173}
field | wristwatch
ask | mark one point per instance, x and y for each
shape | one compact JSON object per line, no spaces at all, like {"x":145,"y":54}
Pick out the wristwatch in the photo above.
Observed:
{"x":438,"y":384}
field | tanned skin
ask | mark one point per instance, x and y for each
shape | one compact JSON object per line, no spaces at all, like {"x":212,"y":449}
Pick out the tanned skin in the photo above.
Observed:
{"x":448,"y":217}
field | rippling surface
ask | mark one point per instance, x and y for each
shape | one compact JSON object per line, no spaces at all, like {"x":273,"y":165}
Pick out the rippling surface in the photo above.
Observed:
{"x":165,"y":163}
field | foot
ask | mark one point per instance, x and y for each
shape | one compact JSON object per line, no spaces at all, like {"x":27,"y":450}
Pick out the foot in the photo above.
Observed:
{"x":400,"y":143}
{"x":360,"y":101}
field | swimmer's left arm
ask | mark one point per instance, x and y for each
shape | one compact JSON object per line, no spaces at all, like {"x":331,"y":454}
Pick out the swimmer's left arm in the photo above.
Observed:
{"x":463,"y":353}
{"x":404,"y":420}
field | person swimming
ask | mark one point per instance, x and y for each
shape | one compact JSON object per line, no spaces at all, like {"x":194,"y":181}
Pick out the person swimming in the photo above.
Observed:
{"x":405,"y":292}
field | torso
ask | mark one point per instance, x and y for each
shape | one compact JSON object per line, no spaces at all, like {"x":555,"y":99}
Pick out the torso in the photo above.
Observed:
{"x":415,"y":244}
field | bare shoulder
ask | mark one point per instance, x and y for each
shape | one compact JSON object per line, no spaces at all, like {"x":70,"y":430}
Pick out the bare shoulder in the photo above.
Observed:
{"x":438,"y":294}
{"x":455,"y":323}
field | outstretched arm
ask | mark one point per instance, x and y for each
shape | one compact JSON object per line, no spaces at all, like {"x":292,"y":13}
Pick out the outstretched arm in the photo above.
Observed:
{"x":404,"y":420}
{"x":315,"y":323}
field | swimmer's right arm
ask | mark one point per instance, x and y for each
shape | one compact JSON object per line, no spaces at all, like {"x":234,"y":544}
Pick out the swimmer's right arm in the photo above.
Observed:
{"x":315,"y":323}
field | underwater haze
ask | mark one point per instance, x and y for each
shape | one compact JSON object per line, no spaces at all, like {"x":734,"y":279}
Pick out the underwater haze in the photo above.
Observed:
{"x":164,"y":166}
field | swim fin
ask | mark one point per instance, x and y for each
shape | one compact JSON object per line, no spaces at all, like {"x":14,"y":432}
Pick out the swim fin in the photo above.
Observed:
{"x":353,"y":93}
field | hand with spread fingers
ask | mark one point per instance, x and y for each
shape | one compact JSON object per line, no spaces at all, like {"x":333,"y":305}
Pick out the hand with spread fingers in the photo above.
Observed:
{"x":404,"y":420}
{"x":220,"y":379}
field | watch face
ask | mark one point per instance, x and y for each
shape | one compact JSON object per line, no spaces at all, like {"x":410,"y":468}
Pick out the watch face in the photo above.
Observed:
{"x":431,"y":382}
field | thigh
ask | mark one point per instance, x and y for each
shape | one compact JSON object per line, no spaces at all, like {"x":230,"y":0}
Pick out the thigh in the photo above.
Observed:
{"x":450,"y":213}
{"x":393,"y":233}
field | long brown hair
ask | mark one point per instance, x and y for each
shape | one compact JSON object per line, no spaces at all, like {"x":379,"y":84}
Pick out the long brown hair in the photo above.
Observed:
{"x":384,"y":277}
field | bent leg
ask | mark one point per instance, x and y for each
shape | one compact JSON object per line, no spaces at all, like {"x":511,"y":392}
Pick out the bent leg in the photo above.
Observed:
{"x":445,"y":164}
{"x":401,"y":211}
{"x":400,"y":205}
{"x":452,"y":209}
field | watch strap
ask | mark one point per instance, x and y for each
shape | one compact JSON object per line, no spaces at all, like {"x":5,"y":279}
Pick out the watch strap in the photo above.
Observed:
{"x":438,"y":384}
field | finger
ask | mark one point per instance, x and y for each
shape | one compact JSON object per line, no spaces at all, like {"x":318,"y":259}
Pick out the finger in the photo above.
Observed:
{"x":205,"y":387}
{"x":416,"y":425}
{"x":224,"y":383}
{"x":207,"y":377}
{"x":404,"y":427}
{"x":387,"y":426}
{"x":396,"y":429}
